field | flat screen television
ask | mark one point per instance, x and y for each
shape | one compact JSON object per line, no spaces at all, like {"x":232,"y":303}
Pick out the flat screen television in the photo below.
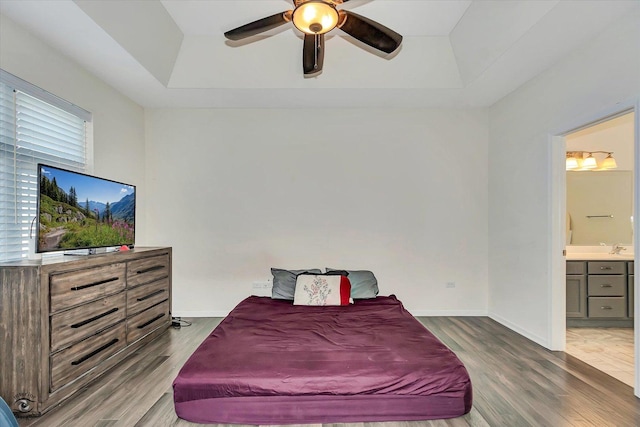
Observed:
{"x":80,"y":211}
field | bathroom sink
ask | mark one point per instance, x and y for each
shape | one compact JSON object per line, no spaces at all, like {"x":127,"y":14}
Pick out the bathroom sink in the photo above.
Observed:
{"x":594,"y":256}
{"x":622,"y":256}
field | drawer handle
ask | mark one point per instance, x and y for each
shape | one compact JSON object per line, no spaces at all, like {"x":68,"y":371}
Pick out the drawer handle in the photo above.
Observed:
{"x":94,"y":352}
{"x":147,"y":270}
{"x":159,"y":316}
{"x":152,"y":294}
{"x":606,"y":268}
{"x":606,"y":286}
{"x":606,"y":307}
{"x":90,"y":285}
{"x":93,"y":319}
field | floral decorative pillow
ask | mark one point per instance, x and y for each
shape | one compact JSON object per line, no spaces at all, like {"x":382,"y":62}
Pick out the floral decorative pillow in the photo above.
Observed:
{"x":320,"y":289}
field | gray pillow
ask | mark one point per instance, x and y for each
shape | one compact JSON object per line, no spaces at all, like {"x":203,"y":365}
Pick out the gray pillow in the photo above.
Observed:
{"x":363,"y":283}
{"x":284,"y":282}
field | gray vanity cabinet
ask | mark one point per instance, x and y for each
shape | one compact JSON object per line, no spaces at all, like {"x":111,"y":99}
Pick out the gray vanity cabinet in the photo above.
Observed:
{"x":631,"y":292}
{"x":599,"y":293}
{"x":607,"y":289}
{"x":576,"y":289}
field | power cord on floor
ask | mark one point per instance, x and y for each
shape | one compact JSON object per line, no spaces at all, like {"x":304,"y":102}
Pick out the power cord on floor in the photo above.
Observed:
{"x":178,"y":323}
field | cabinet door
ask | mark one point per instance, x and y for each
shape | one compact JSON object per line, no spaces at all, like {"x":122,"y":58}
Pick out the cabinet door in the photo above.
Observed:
{"x":576,"y":267}
{"x":630,"y":296}
{"x":576,"y":296}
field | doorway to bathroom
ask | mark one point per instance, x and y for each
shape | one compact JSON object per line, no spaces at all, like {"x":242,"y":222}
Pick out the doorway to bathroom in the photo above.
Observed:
{"x":599,"y":245}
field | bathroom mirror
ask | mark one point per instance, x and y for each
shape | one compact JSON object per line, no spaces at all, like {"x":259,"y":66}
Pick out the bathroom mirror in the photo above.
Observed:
{"x":599,"y":207}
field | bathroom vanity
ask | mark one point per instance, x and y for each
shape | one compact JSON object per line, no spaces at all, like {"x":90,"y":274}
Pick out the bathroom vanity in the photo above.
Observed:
{"x":600,"y":290}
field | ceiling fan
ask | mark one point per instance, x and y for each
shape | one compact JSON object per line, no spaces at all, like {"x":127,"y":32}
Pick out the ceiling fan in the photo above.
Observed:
{"x":317,"y":17}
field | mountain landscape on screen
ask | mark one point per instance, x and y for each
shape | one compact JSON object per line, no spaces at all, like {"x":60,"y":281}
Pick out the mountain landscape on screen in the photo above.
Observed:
{"x":91,"y":212}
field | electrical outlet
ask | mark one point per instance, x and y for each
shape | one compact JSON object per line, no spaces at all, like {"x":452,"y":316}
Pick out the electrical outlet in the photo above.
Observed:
{"x":451,"y":285}
{"x":261,"y":288}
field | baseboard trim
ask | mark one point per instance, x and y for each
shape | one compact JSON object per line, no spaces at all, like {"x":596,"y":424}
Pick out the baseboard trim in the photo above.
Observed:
{"x":422,"y":313}
{"x":599,"y":323}
{"x":448,"y":313}
{"x":538,"y":340}
{"x":187,"y":313}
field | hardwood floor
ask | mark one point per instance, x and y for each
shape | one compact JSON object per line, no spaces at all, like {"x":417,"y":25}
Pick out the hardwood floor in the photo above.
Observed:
{"x":607,"y":349}
{"x":516,"y":383}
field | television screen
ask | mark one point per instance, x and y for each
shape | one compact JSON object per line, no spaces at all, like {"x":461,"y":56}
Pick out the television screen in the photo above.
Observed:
{"x":79,"y":211}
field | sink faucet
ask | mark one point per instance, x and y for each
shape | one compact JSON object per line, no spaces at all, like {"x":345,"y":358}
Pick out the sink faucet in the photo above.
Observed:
{"x":616,"y":248}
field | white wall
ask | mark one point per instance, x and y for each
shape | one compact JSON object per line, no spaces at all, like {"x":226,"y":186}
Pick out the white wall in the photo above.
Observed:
{"x":593,"y":79}
{"x":400,"y":192}
{"x":118,"y":122}
{"x":407,"y":189}
{"x":238,"y":191}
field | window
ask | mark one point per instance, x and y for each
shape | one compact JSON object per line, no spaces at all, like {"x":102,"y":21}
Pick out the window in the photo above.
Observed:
{"x":35,"y":127}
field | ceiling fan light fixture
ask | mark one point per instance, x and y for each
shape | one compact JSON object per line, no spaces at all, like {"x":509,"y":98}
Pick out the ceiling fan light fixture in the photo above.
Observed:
{"x":315,"y":17}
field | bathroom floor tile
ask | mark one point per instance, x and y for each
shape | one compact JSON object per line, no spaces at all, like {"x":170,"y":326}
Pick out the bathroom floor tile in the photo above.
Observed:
{"x":607,"y":349}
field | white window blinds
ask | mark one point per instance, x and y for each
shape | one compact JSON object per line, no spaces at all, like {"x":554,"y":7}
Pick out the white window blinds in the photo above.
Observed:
{"x":32,"y":131}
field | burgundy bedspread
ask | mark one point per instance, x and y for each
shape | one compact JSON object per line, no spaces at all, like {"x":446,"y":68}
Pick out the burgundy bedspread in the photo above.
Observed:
{"x":270,"y":362}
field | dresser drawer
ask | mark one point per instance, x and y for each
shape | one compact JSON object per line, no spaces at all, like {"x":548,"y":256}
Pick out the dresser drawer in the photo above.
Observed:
{"x":77,"y":287}
{"x":606,"y":267}
{"x":607,"y":307}
{"x":78,"y":323}
{"x":607,"y":286}
{"x":147,"y":270}
{"x":78,"y":359}
{"x":576,"y":267}
{"x":145,"y":296}
{"x":143,"y":323}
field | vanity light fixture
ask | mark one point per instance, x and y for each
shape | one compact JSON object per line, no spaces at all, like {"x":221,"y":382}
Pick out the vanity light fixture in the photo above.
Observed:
{"x":573,"y":162}
{"x":590,"y":162}
{"x":609,"y":162}
{"x":576,"y":161}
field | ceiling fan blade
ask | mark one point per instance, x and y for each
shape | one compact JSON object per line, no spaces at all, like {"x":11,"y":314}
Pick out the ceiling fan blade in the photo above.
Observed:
{"x":313,"y":53}
{"x":259,"y":26}
{"x":369,"y":31}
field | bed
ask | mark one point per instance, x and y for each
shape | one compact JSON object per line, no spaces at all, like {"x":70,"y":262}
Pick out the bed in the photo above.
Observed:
{"x":272,"y":362}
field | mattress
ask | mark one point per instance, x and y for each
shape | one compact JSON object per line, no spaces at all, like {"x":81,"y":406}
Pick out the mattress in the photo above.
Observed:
{"x":270,"y":362}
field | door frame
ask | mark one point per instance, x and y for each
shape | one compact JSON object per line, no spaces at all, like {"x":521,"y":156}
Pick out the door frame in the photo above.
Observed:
{"x":557,"y":225}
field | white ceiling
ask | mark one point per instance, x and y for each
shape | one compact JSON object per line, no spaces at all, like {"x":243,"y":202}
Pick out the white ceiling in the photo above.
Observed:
{"x":172,"y":53}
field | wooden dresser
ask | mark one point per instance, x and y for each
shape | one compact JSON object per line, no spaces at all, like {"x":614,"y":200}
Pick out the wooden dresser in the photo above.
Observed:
{"x":64,"y":321}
